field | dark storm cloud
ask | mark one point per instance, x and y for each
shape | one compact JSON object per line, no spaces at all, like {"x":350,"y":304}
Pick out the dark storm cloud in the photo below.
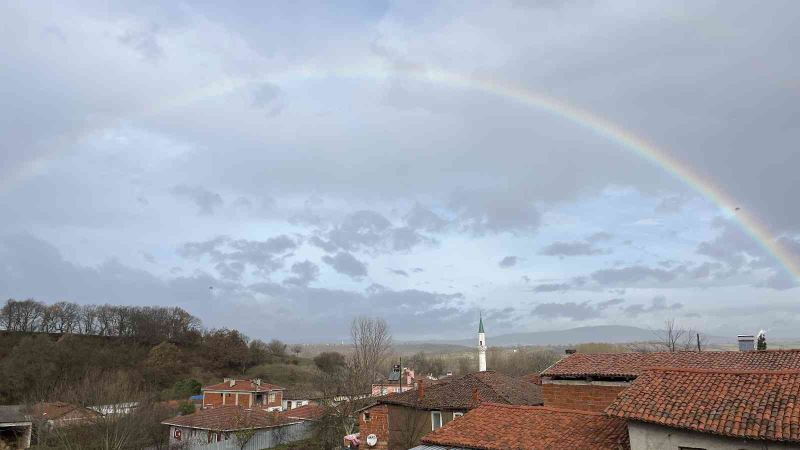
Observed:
{"x":205,"y":200}
{"x":508,"y":261}
{"x":303,"y":273}
{"x":657,"y":304}
{"x":346,"y":264}
{"x":573,"y":311}
{"x":232,"y":256}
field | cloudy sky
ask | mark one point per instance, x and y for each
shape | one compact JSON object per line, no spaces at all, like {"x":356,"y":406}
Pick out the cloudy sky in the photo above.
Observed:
{"x":283,"y":167}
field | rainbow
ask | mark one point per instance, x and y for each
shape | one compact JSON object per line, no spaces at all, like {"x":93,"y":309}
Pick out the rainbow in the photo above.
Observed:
{"x":638,"y":145}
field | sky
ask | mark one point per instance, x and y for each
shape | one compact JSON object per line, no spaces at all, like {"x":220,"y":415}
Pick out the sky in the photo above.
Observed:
{"x":283,"y":167}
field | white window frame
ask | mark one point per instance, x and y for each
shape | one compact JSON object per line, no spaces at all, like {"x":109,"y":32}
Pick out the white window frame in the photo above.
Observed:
{"x":433,"y":422}
{"x":457,"y":414}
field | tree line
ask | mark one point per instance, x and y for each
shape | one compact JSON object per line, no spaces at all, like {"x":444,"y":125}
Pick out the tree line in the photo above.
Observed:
{"x":151,"y":324}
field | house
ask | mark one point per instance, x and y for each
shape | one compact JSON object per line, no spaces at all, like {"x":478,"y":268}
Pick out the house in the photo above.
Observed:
{"x":398,"y":421}
{"x":15,"y":427}
{"x":229,"y":427}
{"x":294,"y":398}
{"x":494,"y":426}
{"x":247,"y":393}
{"x":593,"y":381}
{"x":396,"y":382}
{"x":60,"y":414}
{"x":668,"y":408}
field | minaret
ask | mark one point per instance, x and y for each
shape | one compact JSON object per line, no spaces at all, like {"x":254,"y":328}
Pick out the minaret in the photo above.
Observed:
{"x":481,"y":347}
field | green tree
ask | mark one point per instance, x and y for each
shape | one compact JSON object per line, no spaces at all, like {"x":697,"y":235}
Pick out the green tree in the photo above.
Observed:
{"x":185,"y":388}
{"x":186,"y":408}
{"x":329,"y":362}
{"x":761,"y":344}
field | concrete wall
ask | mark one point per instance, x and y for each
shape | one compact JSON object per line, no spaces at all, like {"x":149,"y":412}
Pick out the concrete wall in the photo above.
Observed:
{"x":646,"y":436}
{"x":580,"y":395}
{"x":265,"y":438}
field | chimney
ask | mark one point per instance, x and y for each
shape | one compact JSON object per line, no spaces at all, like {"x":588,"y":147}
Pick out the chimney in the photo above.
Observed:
{"x":257,"y":381}
{"x":746,"y":342}
{"x":570,"y":351}
{"x":231,"y":382}
{"x":420,"y":389}
{"x":475,"y":397}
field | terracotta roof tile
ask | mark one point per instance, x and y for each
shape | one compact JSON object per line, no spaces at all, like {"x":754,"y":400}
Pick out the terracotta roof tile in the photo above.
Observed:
{"x":305,"y":412}
{"x":746,"y":404}
{"x":243,"y":386}
{"x":54,"y":410}
{"x":457,"y":393}
{"x":513,"y":427}
{"x":228,"y":418}
{"x":630,"y":365}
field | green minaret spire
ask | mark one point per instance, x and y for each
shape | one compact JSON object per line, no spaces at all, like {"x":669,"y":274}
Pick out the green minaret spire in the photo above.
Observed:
{"x":480,"y":325}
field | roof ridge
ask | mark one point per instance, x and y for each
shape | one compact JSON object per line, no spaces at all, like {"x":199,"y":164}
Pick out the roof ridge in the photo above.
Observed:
{"x":543,"y":408}
{"x":723,"y":371}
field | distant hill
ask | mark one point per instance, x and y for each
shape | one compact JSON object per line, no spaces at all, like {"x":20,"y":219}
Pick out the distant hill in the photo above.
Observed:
{"x":612,"y":334}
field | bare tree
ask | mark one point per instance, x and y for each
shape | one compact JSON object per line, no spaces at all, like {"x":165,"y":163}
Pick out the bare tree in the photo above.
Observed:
{"x":372,"y":343}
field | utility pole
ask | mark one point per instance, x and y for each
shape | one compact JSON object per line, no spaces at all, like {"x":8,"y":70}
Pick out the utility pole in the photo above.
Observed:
{"x":400,"y":380}
{"x":698,"y":343}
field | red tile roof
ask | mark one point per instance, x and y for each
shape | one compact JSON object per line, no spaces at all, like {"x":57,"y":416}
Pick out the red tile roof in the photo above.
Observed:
{"x":630,"y":365}
{"x":457,"y":393}
{"x":229,"y":418}
{"x":243,"y":386}
{"x":305,"y":412}
{"x":513,"y":427}
{"x":745,"y":404}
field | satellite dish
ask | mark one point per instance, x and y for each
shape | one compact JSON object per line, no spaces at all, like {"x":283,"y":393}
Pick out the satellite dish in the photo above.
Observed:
{"x":372,"y":440}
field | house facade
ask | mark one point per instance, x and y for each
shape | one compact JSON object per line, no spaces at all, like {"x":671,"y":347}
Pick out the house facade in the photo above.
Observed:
{"x":397,"y":382}
{"x":399,"y":421}
{"x":247,"y":393}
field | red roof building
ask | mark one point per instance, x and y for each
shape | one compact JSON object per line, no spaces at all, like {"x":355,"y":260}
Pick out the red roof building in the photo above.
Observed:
{"x":512,"y":427}
{"x":247,"y":393}
{"x":592,"y":381}
{"x":750,"y":405}
{"x":60,"y":414}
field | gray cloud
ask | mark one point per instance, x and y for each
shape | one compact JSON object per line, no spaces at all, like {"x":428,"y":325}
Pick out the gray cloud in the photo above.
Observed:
{"x":576,"y":248}
{"x":267,"y":97}
{"x":346,"y":264}
{"x":657,"y":304}
{"x":600,"y":236}
{"x":304,"y":273}
{"x":399,"y":272}
{"x":232,"y":256}
{"x":551,"y":287}
{"x":205,"y":200}
{"x":421,"y":218}
{"x":484,"y":212}
{"x":573,"y":311}
{"x":508,"y":261}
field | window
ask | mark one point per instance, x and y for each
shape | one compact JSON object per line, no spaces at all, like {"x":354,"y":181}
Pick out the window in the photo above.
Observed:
{"x":436,"y":420}
{"x":456,"y":415}
{"x":259,"y":399}
{"x":271,"y":398}
{"x":366,"y":417}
